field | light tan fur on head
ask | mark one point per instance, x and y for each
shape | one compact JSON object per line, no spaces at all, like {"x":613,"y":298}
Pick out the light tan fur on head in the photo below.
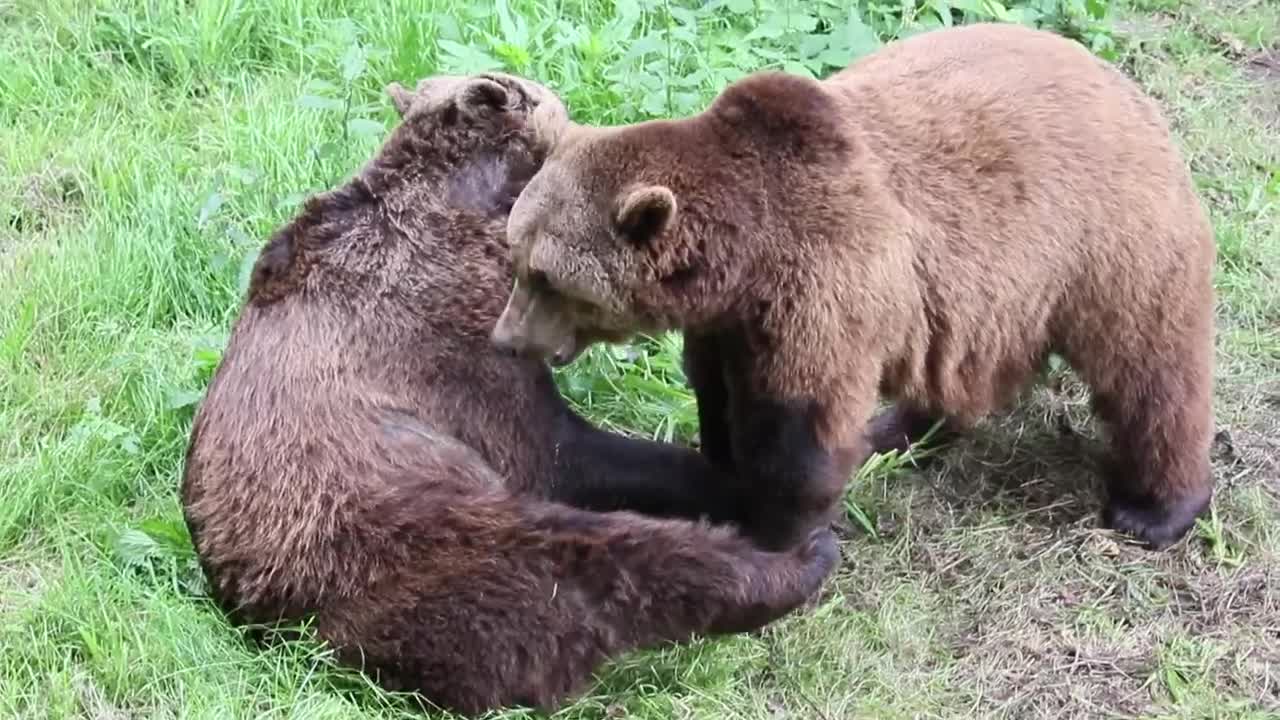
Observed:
{"x":584,"y":305}
{"x":401,"y":99}
{"x":631,"y":220}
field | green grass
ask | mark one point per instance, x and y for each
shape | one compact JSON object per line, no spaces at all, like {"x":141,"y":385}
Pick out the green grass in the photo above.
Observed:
{"x":146,"y":150}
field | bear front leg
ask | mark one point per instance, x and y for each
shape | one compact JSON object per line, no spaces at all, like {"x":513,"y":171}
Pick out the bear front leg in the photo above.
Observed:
{"x":601,"y":471}
{"x":704,"y":368}
{"x":793,"y":476}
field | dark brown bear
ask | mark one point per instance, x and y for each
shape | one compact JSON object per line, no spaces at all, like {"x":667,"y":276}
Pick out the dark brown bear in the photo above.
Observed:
{"x":364,"y":456}
{"x":929,"y":223}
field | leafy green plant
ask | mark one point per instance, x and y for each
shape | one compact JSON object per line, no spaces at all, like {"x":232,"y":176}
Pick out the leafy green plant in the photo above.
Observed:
{"x":341,"y":95}
{"x":161,"y":549}
{"x":97,"y":427}
{"x":1083,"y":20}
{"x":881,"y":467}
{"x":1223,"y":548}
{"x":205,"y":355}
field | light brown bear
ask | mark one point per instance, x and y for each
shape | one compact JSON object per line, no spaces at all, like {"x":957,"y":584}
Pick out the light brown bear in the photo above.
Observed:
{"x":930,"y":224}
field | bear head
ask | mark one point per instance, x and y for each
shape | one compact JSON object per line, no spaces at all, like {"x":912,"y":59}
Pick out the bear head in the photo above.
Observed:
{"x":657,"y":225}
{"x":446,"y":101}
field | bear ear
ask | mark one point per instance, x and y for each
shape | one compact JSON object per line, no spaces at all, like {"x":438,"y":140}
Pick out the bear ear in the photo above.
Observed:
{"x":402,"y":99}
{"x":645,"y":213}
{"x":480,"y":97}
{"x":550,"y":121}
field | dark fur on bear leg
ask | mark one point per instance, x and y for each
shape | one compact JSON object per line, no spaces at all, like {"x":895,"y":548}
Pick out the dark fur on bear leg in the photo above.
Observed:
{"x":1151,"y":375}
{"x":1161,"y":418}
{"x":1161,"y":480}
{"x":552,"y":594}
{"x":792,"y":483}
{"x":899,"y":426}
{"x":704,"y":368}
{"x":597,"y":470}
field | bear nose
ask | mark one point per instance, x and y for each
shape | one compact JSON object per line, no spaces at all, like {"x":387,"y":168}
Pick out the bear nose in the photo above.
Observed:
{"x":505,"y":341}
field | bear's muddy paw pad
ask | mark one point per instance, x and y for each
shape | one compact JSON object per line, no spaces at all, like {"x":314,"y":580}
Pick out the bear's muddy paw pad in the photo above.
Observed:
{"x":1157,"y":525}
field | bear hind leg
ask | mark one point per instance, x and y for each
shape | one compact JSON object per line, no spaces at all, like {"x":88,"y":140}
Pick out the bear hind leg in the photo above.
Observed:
{"x":1159,"y":409}
{"x":901,"y":425}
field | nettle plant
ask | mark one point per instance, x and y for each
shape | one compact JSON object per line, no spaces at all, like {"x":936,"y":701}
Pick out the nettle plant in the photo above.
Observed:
{"x":344,"y":90}
{"x":661,"y":58}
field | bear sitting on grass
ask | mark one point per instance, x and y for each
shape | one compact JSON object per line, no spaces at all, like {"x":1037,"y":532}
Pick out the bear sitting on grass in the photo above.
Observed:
{"x":365,"y":457}
{"x":928,"y":224}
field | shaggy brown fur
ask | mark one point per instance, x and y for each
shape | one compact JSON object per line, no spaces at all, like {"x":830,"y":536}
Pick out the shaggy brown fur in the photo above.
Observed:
{"x":929,"y":223}
{"x":365,"y":456}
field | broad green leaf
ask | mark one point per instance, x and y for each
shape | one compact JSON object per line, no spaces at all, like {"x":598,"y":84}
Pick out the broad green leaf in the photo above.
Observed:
{"x":134,"y":547}
{"x":765,"y":32}
{"x":291,"y":201}
{"x":650,"y":43}
{"x":317,"y":86}
{"x":246,"y":271}
{"x":365,"y":127}
{"x":798,"y":68}
{"x":860,"y":39}
{"x":514,"y":31}
{"x":178,"y":399}
{"x":684,"y":16}
{"x":353,"y":63}
{"x":210,"y":208}
{"x":467,"y":59}
{"x":327,"y":150}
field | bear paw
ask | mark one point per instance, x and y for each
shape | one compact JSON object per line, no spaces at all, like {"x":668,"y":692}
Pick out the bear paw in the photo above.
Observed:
{"x":820,"y":555}
{"x":1157,"y":524}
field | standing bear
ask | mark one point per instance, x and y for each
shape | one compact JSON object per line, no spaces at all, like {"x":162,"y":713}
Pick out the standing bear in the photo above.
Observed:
{"x":365,"y":457}
{"x":928,"y":224}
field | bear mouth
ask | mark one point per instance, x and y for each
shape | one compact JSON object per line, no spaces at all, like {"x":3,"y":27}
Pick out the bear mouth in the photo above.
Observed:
{"x":566,"y":353}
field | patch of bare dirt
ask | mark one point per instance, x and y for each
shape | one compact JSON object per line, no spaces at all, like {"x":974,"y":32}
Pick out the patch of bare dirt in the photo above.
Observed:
{"x":20,"y":583}
{"x":1146,"y":29}
{"x":40,"y":200}
{"x":1039,"y":462}
{"x":94,"y":701}
{"x":1044,"y":614}
{"x":1264,"y":70}
{"x":1265,"y":66}
{"x":1248,"y":446}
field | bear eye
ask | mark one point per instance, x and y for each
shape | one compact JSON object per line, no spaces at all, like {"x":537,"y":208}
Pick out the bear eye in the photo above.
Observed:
{"x":538,"y":281}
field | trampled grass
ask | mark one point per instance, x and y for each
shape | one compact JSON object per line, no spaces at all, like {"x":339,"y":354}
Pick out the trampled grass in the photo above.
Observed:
{"x":148,"y":148}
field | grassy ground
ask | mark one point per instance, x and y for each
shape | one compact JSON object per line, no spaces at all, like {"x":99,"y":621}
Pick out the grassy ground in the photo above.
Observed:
{"x":147,"y":148}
